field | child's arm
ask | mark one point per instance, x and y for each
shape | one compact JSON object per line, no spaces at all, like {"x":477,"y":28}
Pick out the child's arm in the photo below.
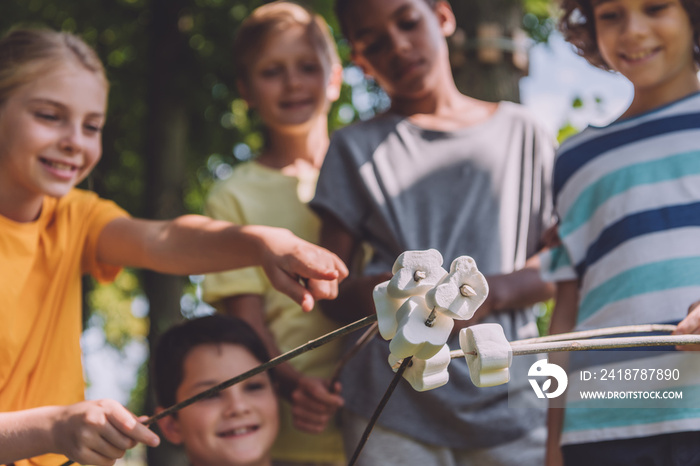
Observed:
{"x":313,"y":402}
{"x":514,"y":290}
{"x":90,"y":432}
{"x":691,"y":324}
{"x":563,"y":320}
{"x":355,"y":293}
{"x":194,"y":244}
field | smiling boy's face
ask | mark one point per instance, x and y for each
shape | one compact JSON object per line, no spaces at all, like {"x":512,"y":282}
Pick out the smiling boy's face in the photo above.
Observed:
{"x":290,"y":84}
{"x":236,"y":427}
{"x":401,"y":43}
{"x":651,"y":44}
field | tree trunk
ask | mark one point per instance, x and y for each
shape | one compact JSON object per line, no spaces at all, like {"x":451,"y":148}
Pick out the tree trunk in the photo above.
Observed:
{"x":166,"y":142}
{"x":488,"y":50}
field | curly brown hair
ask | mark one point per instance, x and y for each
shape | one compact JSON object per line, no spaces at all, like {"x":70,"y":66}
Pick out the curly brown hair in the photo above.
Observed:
{"x":577,"y":24}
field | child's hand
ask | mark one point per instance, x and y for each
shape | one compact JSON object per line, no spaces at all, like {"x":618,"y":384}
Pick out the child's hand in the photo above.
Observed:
{"x":691,"y":324}
{"x":287,"y":259}
{"x":98,"y":432}
{"x":314,"y":404}
{"x":550,"y":237}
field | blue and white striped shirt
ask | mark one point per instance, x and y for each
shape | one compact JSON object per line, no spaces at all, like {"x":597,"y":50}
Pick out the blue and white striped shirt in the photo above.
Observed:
{"x":628,"y":199}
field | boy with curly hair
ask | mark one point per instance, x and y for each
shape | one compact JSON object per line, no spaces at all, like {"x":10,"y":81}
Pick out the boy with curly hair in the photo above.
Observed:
{"x":628,"y":200}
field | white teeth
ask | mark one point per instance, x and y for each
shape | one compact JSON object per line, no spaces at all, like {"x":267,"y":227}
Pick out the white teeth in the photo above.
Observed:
{"x":59,"y":165}
{"x":239,"y":431}
{"x":638,"y":55}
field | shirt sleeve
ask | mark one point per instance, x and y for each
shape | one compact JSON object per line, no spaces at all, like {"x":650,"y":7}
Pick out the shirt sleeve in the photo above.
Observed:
{"x":544,"y":148}
{"x":223,"y":205}
{"x":340,"y":191}
{"x":99,"y":212}
{"x":556,"y":266}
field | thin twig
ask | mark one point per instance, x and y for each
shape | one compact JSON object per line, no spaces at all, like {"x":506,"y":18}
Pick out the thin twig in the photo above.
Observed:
{"x":606,"y":343}
{"x":359,"y":344}
{"x":599,"y":332}
{"x":378,"y":411}
{"x":261,"y":368}
{"x":602,"y":343}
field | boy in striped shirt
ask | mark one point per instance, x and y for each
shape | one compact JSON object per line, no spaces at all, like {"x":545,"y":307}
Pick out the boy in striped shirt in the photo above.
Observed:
{"x":628,"y":200}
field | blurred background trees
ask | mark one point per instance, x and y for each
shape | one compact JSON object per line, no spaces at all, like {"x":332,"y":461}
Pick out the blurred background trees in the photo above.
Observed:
{"x":176,"y":122}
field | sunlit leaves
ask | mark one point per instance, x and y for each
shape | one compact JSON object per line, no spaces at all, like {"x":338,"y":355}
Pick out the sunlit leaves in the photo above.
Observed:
{"x":119,"y":306}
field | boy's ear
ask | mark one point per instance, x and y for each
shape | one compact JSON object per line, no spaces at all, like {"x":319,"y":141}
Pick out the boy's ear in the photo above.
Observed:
{"x":170,"y":427}
{"x":335,"y":81}
{"x":446,"y":18}
{"x":244,"y":92}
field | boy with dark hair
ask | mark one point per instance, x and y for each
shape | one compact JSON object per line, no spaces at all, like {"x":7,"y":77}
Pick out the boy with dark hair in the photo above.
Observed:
{"x":238,"y":425}
{"x":438,"y":170}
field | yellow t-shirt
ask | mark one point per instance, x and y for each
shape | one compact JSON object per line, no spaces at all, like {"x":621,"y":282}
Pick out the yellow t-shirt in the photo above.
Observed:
{"x":257,"y":195}
{"x":41,"y":298}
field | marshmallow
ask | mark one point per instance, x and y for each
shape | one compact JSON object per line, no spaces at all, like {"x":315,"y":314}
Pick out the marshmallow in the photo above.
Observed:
{"x":415,"y":272}
{"x":415,"y":338}
{"x":425,"y":374}
{"x":460,"y":293}
{"x":386,"y":308}
{"x":490,"y":366}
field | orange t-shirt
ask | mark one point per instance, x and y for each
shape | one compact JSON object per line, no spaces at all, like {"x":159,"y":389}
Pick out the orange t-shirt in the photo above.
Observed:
{"x":40,"y":301}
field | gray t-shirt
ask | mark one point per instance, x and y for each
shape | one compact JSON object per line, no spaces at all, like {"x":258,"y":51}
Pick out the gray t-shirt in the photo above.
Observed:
{"x":481,"y":191}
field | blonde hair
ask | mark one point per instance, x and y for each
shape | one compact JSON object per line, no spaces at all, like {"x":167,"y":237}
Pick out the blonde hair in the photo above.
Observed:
{"x":273,"y":18}
{"x":26,"y":54}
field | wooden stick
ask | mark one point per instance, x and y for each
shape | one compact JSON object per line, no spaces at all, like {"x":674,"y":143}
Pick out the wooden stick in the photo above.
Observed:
{"x":378,"y":410}
{"x":599,"y":332}
{"x":359,"y":344}
{"x":606,"y":343}
{"x":602,"y":343}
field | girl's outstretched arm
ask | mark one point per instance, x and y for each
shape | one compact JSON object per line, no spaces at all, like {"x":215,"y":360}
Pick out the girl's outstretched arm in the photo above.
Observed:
{"x":194,"y":244}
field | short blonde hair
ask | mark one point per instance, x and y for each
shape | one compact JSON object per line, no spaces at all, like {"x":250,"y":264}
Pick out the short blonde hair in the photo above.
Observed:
{"x":274,"y":17}
{"x":25,"y":54}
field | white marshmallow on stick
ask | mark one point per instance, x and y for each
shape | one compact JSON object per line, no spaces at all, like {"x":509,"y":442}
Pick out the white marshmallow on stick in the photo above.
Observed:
{"x":460,"y":293}
{"x":415,"y":338}
{"x":415,"y":272}
{"x":488,"y":354}
{"x":386,"y":308}
{"x":425,"y":374}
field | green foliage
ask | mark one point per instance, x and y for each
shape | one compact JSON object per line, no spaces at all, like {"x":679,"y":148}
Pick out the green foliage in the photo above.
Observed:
{"x":112,"y":304}
{"x":566,"y":131}
{"x":544,"y":316}
{"x":538,"y":21}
